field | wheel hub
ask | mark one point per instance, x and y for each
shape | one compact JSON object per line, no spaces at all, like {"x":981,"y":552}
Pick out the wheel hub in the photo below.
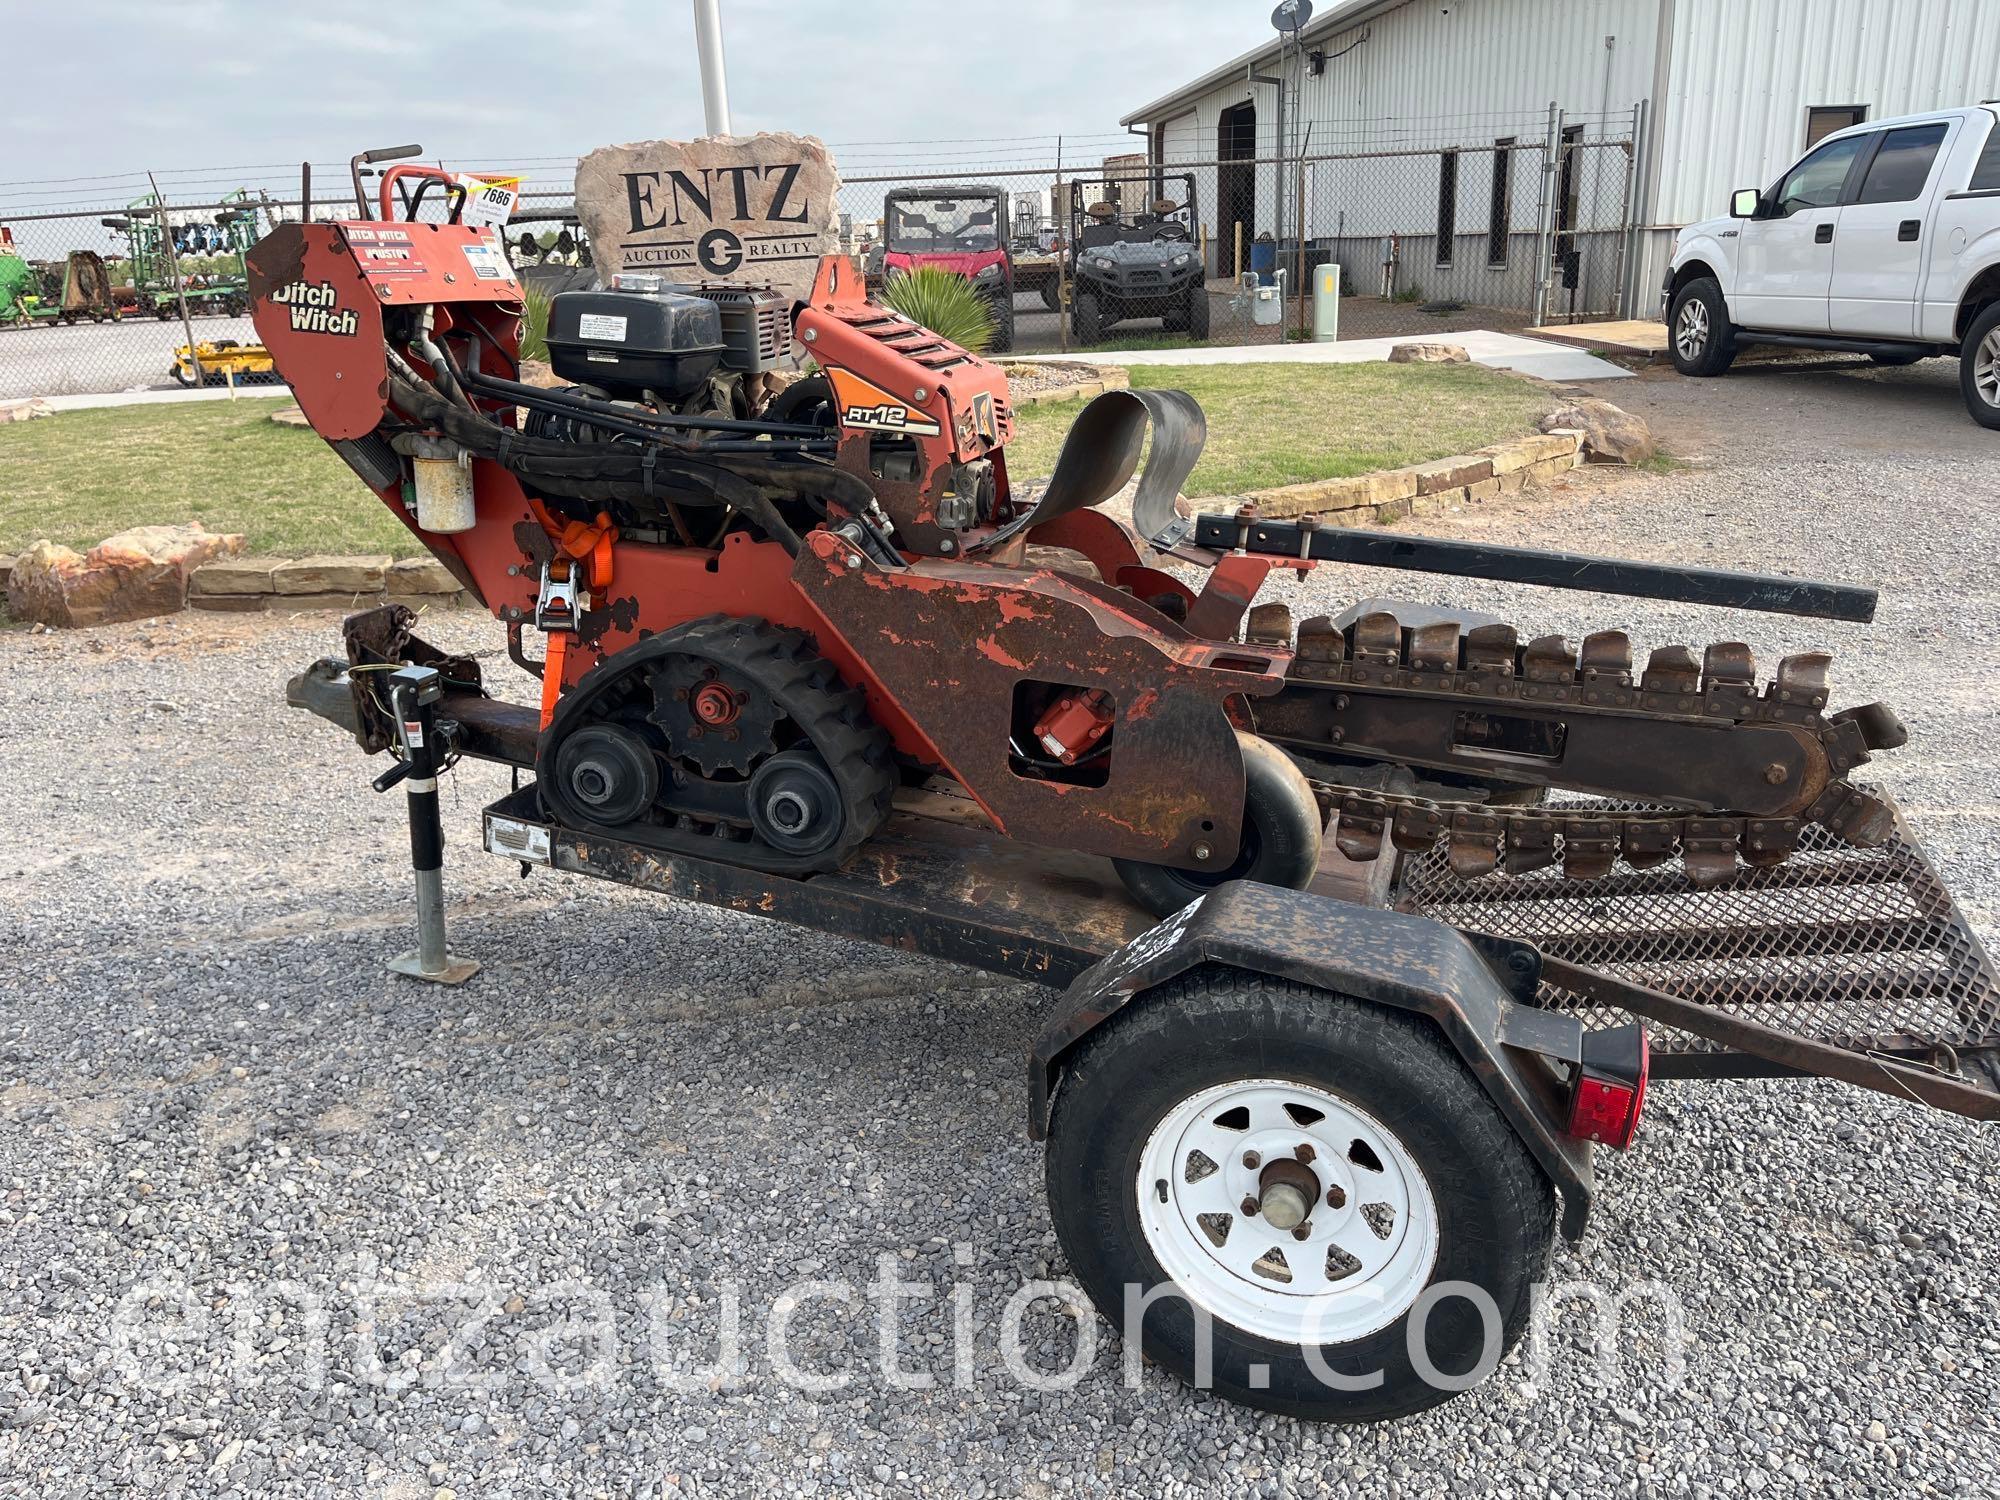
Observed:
{"x":1288,"y":1211}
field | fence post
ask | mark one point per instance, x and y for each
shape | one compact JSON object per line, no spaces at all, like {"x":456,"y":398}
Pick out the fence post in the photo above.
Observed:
{"x":180,"y":290}
{"x":1629,"y":232}
{"x":1062,"y":257}
{"x":1545,"y":217}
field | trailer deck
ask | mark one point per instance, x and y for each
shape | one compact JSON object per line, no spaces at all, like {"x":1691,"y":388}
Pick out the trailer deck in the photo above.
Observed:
{"x":1844,"y":963}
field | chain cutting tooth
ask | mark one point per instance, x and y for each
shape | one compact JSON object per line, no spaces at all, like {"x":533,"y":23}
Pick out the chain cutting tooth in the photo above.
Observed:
{"x":1729,"y":664}
{"x":1531,"y":843}
{"x":1377,"y":637}
{"x":1433,"y":648}
{"x":1708,"y":849}
{"x":1801,"y":679}
{"x":1319,"y":641}
{"x":1359,"y":834}
{"x":1475,"y":845}
{"x":1769,"y":841}
{"x":1589,"y":848}
{"x":1415,"y":829}
{"x":1269,"y":625}
{"x":1549,"y":658}
{"x":1672,"y":669}
{"x":1646,"y":845}
{"x":1606,"y":657}
{"x":1853,"y":816}
{"x":1491,"y":648}
{"x":1880,"y":728}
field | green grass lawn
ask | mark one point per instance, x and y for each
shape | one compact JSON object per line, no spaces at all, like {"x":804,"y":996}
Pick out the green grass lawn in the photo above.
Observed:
{"x":1284,"y":424}
{"x":76,"y":477}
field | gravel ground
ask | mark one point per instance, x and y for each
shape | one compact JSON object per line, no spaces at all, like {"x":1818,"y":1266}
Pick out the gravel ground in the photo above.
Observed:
{"x":255,"y":1191}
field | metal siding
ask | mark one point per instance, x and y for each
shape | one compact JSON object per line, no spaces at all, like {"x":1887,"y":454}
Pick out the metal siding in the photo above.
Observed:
{"x":1744,"y":75}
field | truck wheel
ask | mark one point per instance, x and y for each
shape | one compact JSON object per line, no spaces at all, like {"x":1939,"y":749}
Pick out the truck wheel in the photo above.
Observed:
{"x":1979,"y":368}
{"x":1699,"y":332}
{"x":1086,"y":322}
{"x":1281,"y":837}
{"x":1051,"y":298}
{"x":1197,"y":311}
{"x":1003,"y":329}
{"x":1321,"y":1180}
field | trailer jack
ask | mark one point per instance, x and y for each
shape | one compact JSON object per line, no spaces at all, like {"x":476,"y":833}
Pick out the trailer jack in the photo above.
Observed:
{"x":413,"y":696}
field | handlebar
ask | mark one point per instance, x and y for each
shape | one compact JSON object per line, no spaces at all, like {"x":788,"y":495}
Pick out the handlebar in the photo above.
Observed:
{"x":430,"y":174}
{"x":369,"y":158}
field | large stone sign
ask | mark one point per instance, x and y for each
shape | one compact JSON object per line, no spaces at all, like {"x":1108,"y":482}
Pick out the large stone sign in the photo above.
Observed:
{"x":756,"y":209}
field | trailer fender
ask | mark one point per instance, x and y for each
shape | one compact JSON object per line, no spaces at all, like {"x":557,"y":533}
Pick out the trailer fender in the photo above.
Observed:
{"x":1475,"y":989}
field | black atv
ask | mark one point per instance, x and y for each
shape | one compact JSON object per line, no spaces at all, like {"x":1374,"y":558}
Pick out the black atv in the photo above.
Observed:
{"x":1143,"y":264}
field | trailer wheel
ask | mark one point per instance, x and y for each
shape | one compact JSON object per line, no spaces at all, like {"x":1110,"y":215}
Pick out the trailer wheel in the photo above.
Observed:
{"x":1192,"y":1129}
{"x":1281,"y":837}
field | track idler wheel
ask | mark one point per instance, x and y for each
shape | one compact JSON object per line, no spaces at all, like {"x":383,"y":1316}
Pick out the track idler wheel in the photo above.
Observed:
{"x":1280,"y":845}
{"x":610,"y":771}
{"x":796,"y":805}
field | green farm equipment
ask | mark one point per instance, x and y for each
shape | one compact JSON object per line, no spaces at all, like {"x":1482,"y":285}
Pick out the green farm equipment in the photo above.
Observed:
{"x":65,"y":291}
{"x":177,"y":253}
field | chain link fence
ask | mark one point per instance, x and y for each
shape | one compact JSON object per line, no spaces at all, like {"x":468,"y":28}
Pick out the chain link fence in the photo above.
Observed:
{"x":1530,"y":223}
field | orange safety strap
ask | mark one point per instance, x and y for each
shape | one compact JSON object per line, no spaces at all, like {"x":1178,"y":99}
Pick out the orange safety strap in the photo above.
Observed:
{"x":552,"y":673}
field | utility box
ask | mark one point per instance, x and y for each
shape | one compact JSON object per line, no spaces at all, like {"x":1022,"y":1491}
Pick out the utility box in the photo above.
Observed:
{"x":1326,"y":303}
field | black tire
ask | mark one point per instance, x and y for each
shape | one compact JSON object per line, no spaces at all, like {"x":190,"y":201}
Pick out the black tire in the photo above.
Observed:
{"x":1197,"y":310}
{"x":1003,"y":329}
{"x":1493,"y":1208}
{"x":1281,"y":837}
{"x":1709,"y":345}
{"x":808,"y":402}
{"x":183,"y":374}
{"x":1051,"y":298}
{"x":1899,"y":360}
{"x":1979,"y":368}
{"x":1086,"y":318}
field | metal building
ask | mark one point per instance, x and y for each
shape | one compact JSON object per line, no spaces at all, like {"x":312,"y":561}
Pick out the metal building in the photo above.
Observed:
{"x":1539,"y":154}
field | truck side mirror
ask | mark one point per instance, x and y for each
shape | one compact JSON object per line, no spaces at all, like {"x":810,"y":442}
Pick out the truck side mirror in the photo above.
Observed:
{"x":1744,"y":203}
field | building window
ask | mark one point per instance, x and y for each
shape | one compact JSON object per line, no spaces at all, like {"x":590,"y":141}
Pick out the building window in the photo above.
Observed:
{"x":1822,"y":120}
{"x":1499,"y":205}
{"x":1447,"y":205}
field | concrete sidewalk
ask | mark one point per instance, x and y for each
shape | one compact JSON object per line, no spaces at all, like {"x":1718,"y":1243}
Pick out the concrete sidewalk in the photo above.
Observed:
{"x":259,"y":391}
{"x":1499,"y":351}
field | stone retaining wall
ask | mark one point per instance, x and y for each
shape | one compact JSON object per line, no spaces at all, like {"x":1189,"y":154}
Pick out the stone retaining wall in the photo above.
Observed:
{"x":1392,"y":495}
{"x":248,"y":585}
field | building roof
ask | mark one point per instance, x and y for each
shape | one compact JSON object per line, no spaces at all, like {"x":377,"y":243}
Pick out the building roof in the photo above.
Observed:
{"x":1339,"y":16}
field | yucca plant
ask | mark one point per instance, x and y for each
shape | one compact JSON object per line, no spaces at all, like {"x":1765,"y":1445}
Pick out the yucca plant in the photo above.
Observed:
{"x":534,"y":324}
{"x":944,"y":302}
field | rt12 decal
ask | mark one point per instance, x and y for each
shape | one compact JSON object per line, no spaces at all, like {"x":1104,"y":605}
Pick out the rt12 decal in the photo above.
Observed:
{"x":313,"y":309}
{"x":864,"y":404}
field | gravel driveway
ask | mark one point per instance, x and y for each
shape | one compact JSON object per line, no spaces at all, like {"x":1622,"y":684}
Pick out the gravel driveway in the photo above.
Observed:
{"x":275,"y":1224}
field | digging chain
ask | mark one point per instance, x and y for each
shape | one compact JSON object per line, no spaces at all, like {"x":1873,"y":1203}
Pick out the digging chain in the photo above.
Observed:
{"x":1487,"y":667}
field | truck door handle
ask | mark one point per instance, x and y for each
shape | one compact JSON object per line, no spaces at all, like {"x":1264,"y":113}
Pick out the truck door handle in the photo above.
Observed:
{"x":1910,"y":229}
{"x":1823,"y":235}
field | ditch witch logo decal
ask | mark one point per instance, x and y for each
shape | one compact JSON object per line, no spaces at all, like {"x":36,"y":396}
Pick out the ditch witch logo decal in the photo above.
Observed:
{"x":754,"y":209}
{"x":313,"y":311}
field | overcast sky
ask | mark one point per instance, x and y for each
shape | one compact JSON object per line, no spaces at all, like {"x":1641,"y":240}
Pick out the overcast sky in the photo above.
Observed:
{"x":100,"y":87}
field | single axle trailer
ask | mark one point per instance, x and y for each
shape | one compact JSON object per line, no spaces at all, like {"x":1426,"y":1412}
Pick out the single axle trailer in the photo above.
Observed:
{"x":1301,"y":1112}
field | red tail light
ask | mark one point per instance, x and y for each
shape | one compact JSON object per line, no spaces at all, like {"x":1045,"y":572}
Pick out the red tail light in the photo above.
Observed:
{"x":1610,"y":1088}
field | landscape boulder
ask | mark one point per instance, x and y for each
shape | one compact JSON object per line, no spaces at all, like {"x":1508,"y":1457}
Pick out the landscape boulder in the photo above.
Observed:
{"x":134,"y":575}
{"x":1611,"y":435}
{"x":1422,"y":353}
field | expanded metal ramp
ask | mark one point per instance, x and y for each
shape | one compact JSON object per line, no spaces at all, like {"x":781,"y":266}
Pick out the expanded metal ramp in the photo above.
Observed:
{"x":1861,"y":949}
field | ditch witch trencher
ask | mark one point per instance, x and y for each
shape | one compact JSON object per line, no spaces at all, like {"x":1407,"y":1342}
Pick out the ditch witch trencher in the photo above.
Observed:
{"x":803,"y":652}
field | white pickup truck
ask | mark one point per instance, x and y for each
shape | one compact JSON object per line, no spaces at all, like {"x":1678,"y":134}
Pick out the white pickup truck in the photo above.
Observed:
{"x":1884,"y":240}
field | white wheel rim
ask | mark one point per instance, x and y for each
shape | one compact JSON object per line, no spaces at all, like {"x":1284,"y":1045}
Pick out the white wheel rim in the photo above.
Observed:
{"x":1692,"y":334}
{"x":1986,"y":368}
{"x":1372,"y":1236}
